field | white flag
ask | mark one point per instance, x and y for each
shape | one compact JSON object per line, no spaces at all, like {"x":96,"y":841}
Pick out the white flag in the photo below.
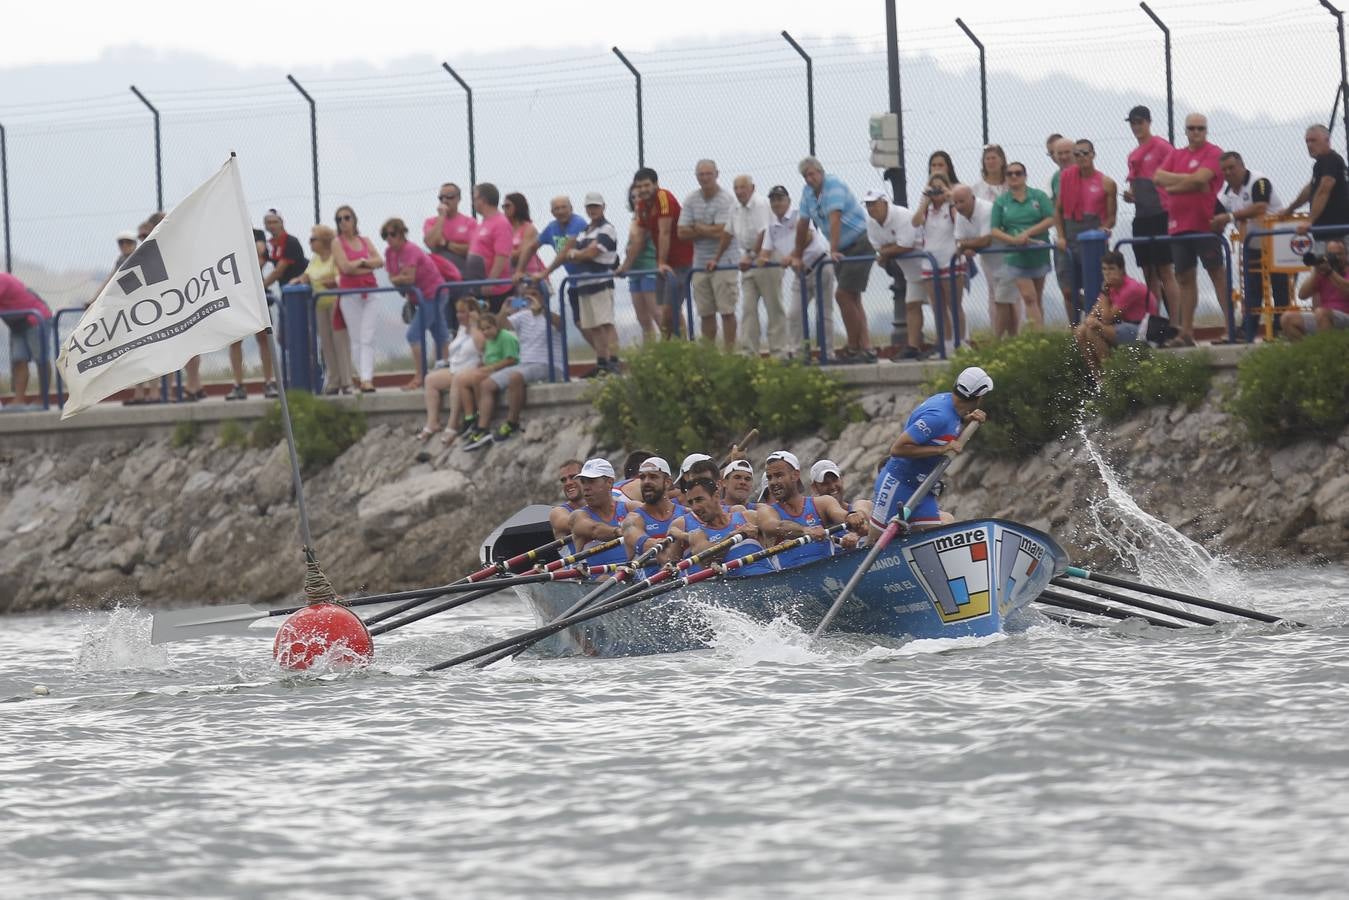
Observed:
{"x":192,"y":287}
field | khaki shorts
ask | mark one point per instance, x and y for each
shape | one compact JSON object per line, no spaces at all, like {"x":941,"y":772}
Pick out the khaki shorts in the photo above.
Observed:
{"x":716,"y":292}
{"x":597,"y":309}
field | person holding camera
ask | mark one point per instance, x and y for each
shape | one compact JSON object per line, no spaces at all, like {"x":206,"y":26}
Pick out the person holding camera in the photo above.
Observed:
{"x":936,"y":218}
{"x":1327,"y":288}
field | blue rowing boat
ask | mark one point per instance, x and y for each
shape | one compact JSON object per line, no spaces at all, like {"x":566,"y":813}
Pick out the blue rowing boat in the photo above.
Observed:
{"x":961,"y":580}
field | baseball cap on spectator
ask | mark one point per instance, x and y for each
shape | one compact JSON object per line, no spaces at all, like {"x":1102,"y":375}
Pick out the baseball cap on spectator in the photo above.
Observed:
{"x":972,"y":383}
{"x":786,"y":456}
{"x":738,"y":465}
{"x":594,"y":198}
{"x":822,"y":468}
{"x":654,"y":464}
{"x":596,"y":468}
{"x":127,"y":236}
{"x":1139,"y":112}
{"x":873,"y":196}
{"x":778,"y":190}
{"x":690,"y":460}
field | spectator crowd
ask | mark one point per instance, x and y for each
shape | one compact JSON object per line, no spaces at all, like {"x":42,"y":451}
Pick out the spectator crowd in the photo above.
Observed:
{"x":477,"y":277}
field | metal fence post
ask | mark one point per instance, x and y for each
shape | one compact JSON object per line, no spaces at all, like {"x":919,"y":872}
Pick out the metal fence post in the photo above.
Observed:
{"x":983,"y":74}
{"x":641,"y":135}
{"x":1343,"y":92}
{"x":1170,"y":103}
{"x":899,"y":328}
{"x":4,"y":189}
{"x":159,"y":169}
{"x":472,"y":156}
{"x":810,"y":88}
{"x":313,"y":141}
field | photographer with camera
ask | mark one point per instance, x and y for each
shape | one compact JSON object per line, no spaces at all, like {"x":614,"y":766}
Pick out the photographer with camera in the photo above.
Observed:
{"x":1328,"y":289}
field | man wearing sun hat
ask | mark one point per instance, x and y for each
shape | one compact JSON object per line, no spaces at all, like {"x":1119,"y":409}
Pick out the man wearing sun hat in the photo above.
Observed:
{"x":930,"y":432}
{"x":737,"y":483}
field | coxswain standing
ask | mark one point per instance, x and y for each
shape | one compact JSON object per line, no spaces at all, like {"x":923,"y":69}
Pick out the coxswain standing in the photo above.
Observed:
{"x":708,"y":522}
{"x":791,"y":514}
{"x":931,"y":432}
{"x":601,"y":518}
{"x":651,"y":520}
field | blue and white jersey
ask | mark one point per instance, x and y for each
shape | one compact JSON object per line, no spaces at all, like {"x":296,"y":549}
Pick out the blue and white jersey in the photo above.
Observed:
{"x":810,"y":518}
{"x":618,"y":554}
{"x":934,"y":423}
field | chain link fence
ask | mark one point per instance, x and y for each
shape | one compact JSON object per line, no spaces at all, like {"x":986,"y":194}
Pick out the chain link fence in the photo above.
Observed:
{"x":81,"y":171}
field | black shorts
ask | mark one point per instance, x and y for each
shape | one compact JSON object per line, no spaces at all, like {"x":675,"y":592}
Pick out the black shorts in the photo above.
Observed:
{"x":1151,"y":253}
{"x":1185,"y":254}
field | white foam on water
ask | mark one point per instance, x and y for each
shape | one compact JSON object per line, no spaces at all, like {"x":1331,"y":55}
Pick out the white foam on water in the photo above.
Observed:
{"x":1144,"y":544}
{"x":747,"y":642}
{"x":119,"y":641}
{"x":931,"y":645}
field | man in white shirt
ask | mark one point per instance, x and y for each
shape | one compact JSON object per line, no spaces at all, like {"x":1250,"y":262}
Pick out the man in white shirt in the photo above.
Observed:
{"x":778,"y":241}
{"x":750,"y":218}
{"x":891,"y":231}
{"x":974,"y":232}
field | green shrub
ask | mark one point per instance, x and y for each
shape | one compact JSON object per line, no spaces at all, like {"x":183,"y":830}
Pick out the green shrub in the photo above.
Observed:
{"x":1042,"y":389}
{"x":1287,"y":391}
{"x":322,"y":429}
{"x":682,"y":396}
{"x":1136,"y":376}
{"x":185,"y":434}
{"x":232,"y":434}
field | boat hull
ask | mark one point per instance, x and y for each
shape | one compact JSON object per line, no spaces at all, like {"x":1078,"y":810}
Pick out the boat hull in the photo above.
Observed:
{"x":960,"y":580}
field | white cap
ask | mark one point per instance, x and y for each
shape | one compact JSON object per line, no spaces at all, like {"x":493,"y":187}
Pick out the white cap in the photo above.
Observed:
{"x":690,"y":460}
{"x":594,"y":198}
{"x":973,"y":383}
{"x":786,"y":456}
{"x":873,"y":196}
{"x":128,"y":236}
{"x":738,"y":465}
{"x":822,"y":468}
{"x":597,"y":468}
{"x":655,"y":464}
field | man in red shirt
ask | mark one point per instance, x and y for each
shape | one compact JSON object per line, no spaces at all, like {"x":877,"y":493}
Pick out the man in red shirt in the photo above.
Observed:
{"x":657,"y":219}
{"x":1191,"y":176}
{"x":26,"y":332}
{"x":1150,"y":217}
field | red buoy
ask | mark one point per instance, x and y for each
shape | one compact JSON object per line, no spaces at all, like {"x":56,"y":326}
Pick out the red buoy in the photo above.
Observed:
{"x":322,"y":629}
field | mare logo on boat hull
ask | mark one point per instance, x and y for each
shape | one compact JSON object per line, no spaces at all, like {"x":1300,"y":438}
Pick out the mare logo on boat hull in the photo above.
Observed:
{"x":954,"y":571}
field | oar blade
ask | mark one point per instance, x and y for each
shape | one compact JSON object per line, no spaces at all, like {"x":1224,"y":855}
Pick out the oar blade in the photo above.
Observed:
{"x":181,"y":624}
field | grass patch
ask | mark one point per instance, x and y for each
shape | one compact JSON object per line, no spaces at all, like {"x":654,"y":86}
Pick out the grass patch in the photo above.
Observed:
{"x":185,"y":434}
{"x":232,"y":434}
{"x":1289,"y":391}
{"x":684,"y":396}
{"x":323,"y":430}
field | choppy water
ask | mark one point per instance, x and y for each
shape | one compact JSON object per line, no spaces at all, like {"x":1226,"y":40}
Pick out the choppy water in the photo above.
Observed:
{"x":1054,"y":763}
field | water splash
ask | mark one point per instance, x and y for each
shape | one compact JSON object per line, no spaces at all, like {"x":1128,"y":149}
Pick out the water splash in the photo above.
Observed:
{"x":1159,"y":553}
{"x":119,"y":641}
{"x":748,"y":642}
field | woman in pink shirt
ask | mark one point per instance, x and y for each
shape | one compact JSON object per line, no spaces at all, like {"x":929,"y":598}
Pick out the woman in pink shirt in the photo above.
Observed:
{"x":409,"y":266}
{"x":525,"y":262}
{"x":1117,"y":316}
{"x":357,"y":261}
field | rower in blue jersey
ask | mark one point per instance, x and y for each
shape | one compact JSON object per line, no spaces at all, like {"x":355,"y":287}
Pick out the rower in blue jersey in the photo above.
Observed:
{"x":826,"y":478}
{"x":930,"y":432}
{"x":737,"y":483}
{"x":791,"y":514}
{"x":628,"y":486}
{"x":601,"y":518}
{"x":559,"y":517}
{"x":650,"y":521}
{"x":709,"y":521}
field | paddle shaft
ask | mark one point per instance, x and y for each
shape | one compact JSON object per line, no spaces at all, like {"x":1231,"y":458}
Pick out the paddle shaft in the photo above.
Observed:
{"x":891,"y":529}
{"x":1063,"y":601}
{"x":613,"y":605}
{"x":1137,"y":602}
{"x":491,"y":588}
{"x":1215,"y":605}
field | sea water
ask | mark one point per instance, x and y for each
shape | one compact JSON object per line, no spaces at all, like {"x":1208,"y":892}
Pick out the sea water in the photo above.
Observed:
{"x":1127,"y":761}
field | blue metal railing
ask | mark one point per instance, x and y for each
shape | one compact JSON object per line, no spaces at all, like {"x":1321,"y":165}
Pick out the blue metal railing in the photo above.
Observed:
{"x":306,"y":340}
{"x":44,"y":358}
{"x":1227,"y":264}
{"x":991,"y":250}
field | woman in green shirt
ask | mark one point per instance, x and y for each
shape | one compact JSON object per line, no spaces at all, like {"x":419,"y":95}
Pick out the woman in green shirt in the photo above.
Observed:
{"x":1019,"y":217}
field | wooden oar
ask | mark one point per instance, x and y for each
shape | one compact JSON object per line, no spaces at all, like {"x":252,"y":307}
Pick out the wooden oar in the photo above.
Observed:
{"x":538,"y":634}
{"x":617,"y":575}
{"x":1078,"y":604}
{"x":236,"y":619}
{"x":1215,"y":605}
{"x":491,"y":588}
{"x":1139,"y":603}
{"x":892,"y":528}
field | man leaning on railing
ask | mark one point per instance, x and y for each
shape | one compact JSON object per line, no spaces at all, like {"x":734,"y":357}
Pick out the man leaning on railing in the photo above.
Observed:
{"x":26,"y":332}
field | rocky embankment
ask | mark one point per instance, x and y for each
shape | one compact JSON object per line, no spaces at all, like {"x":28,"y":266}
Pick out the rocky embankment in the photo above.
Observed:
{"x":141,"y":521}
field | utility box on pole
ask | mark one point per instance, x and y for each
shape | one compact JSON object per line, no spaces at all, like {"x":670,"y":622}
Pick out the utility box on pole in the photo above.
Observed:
{"x":885,"y":140}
